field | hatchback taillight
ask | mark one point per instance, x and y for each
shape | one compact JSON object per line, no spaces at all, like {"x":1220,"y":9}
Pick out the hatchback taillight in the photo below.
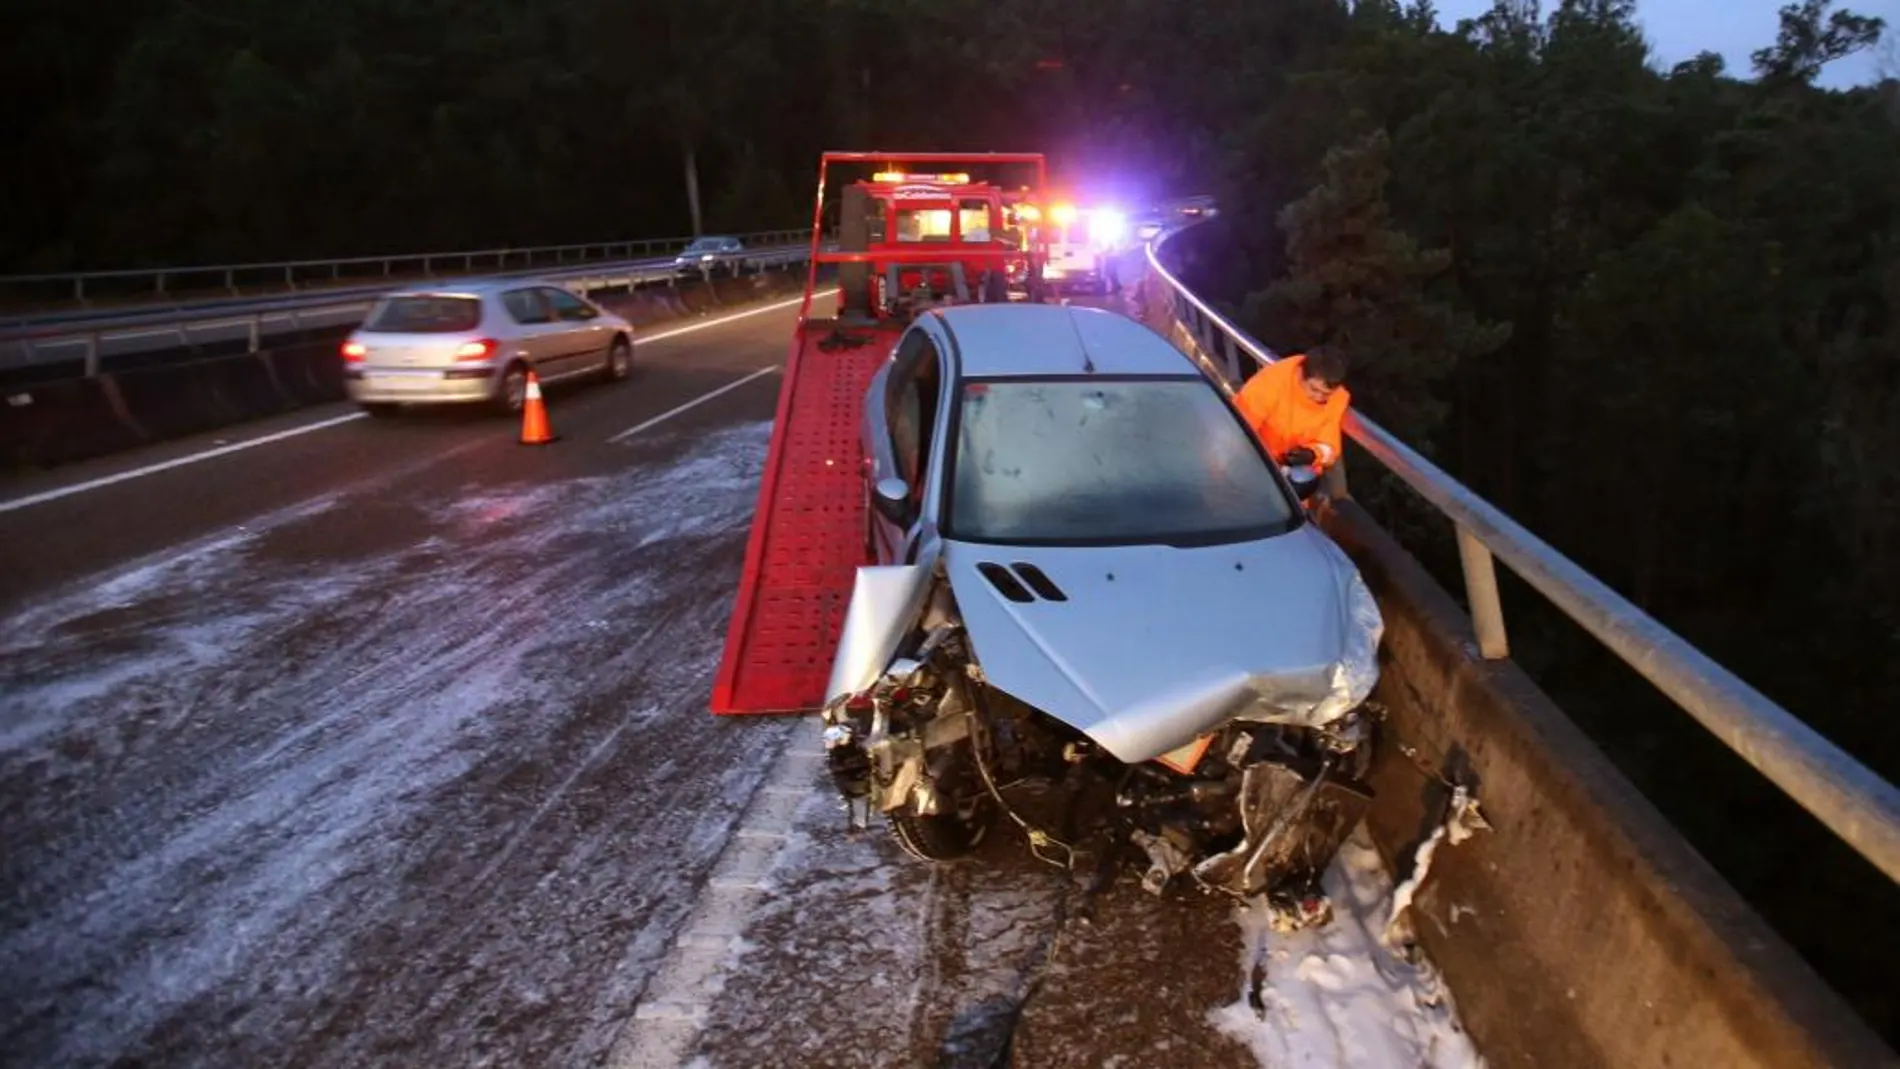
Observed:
{"x":354,"y":351}
{"x":476,"y":350}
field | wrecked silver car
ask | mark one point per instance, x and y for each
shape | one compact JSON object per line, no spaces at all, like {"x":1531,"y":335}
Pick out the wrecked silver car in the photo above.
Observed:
{"x":1097,"y":609}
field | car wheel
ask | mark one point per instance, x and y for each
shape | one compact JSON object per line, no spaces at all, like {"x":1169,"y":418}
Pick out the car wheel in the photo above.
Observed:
{"x":966,"y":812}
{"x":619,"y":359}
{"x":512,"y":392}
{"x":379,"y":409}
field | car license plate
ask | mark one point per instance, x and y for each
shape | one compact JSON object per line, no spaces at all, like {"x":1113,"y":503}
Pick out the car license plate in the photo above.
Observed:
{"x":404,"y":380}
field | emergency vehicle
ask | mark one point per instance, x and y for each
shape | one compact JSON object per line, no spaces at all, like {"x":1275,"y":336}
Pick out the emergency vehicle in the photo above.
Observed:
{"x":1081,"y":240}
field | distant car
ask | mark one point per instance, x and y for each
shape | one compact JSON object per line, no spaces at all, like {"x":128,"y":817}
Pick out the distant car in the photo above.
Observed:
{"x":710,"y":254}
{"x":474,"y":342}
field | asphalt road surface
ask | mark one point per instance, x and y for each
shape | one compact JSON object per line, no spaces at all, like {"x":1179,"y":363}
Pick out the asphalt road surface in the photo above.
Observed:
{"x":376,"y":742}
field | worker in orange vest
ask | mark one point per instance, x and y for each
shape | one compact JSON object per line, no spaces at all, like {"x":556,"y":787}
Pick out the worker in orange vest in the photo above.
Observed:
{"x":1298,"y":403}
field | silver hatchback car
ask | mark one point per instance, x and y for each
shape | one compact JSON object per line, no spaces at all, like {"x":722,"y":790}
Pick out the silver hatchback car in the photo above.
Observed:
{"x":474,"y":342}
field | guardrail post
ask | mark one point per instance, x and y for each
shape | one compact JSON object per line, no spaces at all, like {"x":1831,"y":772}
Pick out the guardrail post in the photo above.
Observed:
{"x":1232,"y":353}
{"x":1333,"y":482}
{"x":256,"y":331}
{"x":79,"y":289}
{"x":92,"y":355}
{"x":230,"y":281}
{"x":1481,"y":590}
{"x":161,"y":282}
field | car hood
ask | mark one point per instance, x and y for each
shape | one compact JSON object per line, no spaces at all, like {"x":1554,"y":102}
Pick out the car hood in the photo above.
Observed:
{"x":1153,"y":646}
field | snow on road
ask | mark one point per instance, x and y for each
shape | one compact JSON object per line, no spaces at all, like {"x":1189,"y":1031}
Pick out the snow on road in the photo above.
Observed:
{"x":1337,"y":995}
{"x":381,"y":773}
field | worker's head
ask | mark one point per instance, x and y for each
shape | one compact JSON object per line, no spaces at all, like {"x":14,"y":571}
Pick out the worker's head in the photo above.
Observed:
{"x":1322,"y":372}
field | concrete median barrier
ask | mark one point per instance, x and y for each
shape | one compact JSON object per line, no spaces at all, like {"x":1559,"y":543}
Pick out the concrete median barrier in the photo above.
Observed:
{"x":60,"y":422}
{"x":1582,"y":930}
{"x":201,"y":395}
{"x":700,"y":297}
{"x":308,"y":374}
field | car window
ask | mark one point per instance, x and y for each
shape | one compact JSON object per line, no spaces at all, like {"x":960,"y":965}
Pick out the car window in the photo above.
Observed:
{"x":426,"y":314}
{"x":1108,"y":461}
{"x":526,"y":307}
{"x":973,"y":220}
{"x":912,"y":408}
{"x":566,"y":306}
{"x":923,"y":224}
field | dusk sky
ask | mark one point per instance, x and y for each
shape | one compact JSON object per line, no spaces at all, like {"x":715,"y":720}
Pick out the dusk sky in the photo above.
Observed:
{"x":1678,"y":29}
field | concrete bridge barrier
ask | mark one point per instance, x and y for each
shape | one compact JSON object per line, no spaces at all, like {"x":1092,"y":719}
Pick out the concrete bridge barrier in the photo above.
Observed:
{"x":1582,"y":930}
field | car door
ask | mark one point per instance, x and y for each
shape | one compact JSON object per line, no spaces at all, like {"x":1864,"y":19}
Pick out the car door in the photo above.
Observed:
{"x":535,"y":326}
{"x":579,"y":340}
{"x":912,"y":402}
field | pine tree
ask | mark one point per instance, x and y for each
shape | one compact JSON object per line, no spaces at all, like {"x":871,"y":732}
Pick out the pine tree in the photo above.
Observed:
{"x":1356,"y":281}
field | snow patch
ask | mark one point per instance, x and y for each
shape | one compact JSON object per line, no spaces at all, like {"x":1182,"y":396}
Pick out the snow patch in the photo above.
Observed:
{"x":1337,"y":995}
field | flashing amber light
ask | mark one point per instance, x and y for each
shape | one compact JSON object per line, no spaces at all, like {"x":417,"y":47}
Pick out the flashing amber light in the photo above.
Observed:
{"x":1029,"y":213}
{"x":895,"y":177}
{"x":354,"y":351}
{"x":1063,"y":214}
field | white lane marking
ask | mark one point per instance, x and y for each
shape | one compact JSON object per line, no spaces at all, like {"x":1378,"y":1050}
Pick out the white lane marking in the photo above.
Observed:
{"x":108,"y":480}
{"x":677,"y":331}
{"x":675,"y":1006}
{"x":152,"y":469}
{"x":695,"y":402}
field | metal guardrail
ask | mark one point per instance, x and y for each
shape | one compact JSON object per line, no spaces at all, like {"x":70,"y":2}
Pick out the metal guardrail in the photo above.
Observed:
{"x":84,"y":337}
{"x":165,"y":280}
{"x":1857,"y":805}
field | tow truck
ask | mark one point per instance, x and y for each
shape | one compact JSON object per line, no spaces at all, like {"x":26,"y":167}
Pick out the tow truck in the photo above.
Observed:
{"x":904,"y":243}
{"x":957,"y":225}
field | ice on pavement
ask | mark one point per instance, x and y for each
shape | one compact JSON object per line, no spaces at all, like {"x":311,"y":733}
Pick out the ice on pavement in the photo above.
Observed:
{"x":1337,"y":996}
{"x":233,"y":756}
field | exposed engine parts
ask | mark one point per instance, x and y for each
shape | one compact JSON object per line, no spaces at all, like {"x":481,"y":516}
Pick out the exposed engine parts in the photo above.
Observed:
{"x":1259,"y":810}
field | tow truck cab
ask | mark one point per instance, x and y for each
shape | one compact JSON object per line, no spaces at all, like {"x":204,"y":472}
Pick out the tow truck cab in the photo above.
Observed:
{"x":946,"y":231}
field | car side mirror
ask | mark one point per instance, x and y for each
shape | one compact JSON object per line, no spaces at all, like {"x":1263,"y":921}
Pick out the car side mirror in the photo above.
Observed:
{"x":891,"y":498}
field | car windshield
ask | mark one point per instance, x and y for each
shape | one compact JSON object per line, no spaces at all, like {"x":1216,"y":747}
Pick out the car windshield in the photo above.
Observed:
{"x":426,"y":314}
{"x":707,"y":245}
{"x":1106,"y":461}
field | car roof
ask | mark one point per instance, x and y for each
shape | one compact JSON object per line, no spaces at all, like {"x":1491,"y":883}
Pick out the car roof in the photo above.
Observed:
{"x":1025,"y":340}
{"x":470,"y":287}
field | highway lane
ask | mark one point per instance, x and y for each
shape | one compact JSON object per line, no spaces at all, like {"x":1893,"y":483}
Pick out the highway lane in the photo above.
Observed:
{"x":382,"y":743}
{"x":386,"y":743}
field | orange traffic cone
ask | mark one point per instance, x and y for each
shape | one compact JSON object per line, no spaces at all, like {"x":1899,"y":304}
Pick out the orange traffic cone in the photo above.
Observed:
{"x":534,"y":415}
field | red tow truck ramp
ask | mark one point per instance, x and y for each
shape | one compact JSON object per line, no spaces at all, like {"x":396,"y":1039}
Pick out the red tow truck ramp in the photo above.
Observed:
{"x":807,"y":538}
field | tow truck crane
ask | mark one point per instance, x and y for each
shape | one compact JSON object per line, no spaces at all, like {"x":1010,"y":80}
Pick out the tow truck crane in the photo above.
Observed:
{"x":904,"y":241}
